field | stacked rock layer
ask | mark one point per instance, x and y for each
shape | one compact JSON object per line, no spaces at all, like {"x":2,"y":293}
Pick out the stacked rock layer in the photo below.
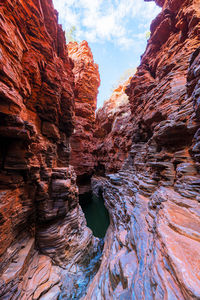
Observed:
{"x":152,"y":246}
{"x":83,"y":144}
{"x":39,"y":207}
{"x":113,"y":131}
{"x":152,"y":138}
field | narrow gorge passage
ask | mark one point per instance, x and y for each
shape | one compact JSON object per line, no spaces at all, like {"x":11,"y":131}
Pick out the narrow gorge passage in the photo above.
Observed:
{"x":141,"y":153}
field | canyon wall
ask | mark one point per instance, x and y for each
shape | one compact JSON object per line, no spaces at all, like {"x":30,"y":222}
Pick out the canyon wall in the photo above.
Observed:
{"x":151,"y":139}
{"x":113,"y":131}
{"x":87,"y":81}
{"x":38,"y":194}
{"x":153,"y":243}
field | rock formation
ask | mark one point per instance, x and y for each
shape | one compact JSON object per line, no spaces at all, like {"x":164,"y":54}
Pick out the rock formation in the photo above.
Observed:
{"x":151,"y":140}
{"x":39,"y":208}
{"x":152,"y":246}
{"x":87,"y":81}
{"x":113,"y":131}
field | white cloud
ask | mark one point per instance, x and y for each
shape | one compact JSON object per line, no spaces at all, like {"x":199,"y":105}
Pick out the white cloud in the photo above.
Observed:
{"x":120,"y":21}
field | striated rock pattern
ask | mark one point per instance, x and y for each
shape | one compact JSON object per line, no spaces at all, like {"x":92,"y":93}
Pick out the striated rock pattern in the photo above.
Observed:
{"x":87,"y":81}
{"x":152,"y":248}
{"x":36,"y":118}
{"x":113,"y":131}
{"x":38,"y":194}
{"x":30,"y":276}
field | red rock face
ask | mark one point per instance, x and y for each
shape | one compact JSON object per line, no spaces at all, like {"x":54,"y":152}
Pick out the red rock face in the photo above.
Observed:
{"x":152,"y":246}
{"x":113,"y":131}
{"x":38,"y":192}
{"x":87,"y":81}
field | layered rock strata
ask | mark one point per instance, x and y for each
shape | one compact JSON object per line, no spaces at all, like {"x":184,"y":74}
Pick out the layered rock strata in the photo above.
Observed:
{"x":39,"y":207}
{"x":87,"y":81}
{"x":152,"y":246}
{"x":113,"y":131}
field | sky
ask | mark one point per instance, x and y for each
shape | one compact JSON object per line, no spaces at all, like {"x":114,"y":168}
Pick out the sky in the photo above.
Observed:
{"x":115,"y":31}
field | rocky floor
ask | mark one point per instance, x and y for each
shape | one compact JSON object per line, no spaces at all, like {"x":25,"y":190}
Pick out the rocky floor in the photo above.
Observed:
{"x":31,"y":275}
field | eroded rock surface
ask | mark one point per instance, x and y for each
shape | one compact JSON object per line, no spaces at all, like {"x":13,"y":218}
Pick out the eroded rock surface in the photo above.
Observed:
{"x":38,"y":193}
{"x":113,"y":131}
{"x":87,"y":81}
{"x":152,"y":246}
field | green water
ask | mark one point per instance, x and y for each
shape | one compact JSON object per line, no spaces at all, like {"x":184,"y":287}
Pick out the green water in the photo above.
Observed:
{"x":96,"y":215}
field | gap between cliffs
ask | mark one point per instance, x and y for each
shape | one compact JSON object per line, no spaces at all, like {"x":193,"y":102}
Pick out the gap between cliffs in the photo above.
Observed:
{"x":141,"y":154}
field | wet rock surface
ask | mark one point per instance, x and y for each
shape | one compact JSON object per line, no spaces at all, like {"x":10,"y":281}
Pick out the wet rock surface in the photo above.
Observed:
{"x":75,"y":278}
